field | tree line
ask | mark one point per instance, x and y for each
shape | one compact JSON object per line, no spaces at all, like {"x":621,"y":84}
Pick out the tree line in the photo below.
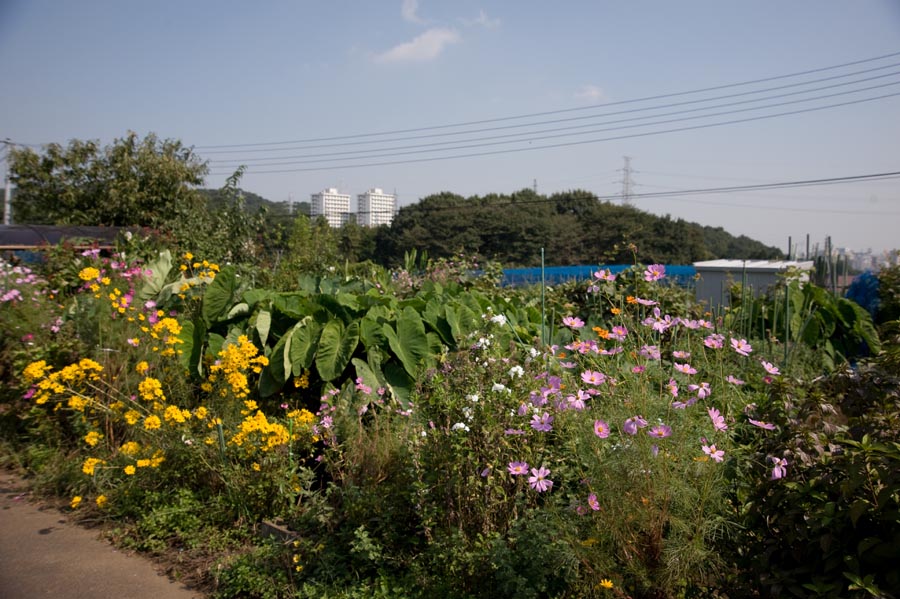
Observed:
{"x":156,"y":183}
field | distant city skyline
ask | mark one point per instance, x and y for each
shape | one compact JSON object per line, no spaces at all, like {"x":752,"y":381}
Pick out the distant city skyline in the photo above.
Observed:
{"x":480,"y":97}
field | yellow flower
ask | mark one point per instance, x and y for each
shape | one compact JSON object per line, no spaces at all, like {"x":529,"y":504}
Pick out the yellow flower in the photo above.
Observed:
{"x":255,"y":466}
{"x":35,"y":370}
{"x":101,"y":501}
{"x":142,"y":367}
{"x":90,"y":464}
{"x":105,"y":280}
{"x":188,"y":256}
{"x":130,"y":448}
{"x":152,"y":423}
{"x":89,"y":274}
{"x":606,"y":583}
{"x":129,"y":470}
{"x":92,"y":438}
{"x":150,"y":389}
{"x":76,"y":501}
{"x":132,"y":416}
{"x":616,"y":310}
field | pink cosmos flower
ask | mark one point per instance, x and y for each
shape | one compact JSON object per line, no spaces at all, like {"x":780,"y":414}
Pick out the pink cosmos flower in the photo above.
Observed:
{"x":632,"y":425}
{"x":573,"y":322}
{"x":779,"y":467}
{"x":651,"y":352}
{"x":673,"y":387}
{"x":717,"y":419}
{"x":770,"y":368}
{"x":645,"y":302}
{"x":681,"y":355}
{"x":654,"y":272}
{"x":605,"y":275}
{"x":741,"y":346}
{"x":714,"y":341}
{"x":765,"y":425}
{"x":618,"y":333}
{"x":593,"y":377}
{"x":733,"y":380}
{"x":601,"y":429}
{"x":592,"y":501}
{"x":543,"y":423}
{"x":637,"y":369}
{"x":716,"y":454}
{"x":660,"y":431}
{"x":703,"y":390}
{"x":685,"y":368}
{"x":539,"y":481}
{"x":517,"y":468}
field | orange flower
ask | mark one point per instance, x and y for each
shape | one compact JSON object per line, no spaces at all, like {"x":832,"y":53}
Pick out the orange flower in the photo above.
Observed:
{"x":631,"y":299}
{"x":602,"y":333}
{"x":616,"y":310}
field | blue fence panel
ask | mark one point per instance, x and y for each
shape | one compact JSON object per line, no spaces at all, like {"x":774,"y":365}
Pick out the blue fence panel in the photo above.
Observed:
{"x":553,"y":275}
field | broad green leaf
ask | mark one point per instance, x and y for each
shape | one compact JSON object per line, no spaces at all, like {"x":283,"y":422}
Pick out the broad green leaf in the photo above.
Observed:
{"x":369,"y":377}
{"x":263,"y":325}
{"x":336,"y":346}
{"x":159,"y":271}
{"x":400,"y":384}
{"x":273,"y":376}
{"x":409,"y":342}
{"x":238,"y":310}
{"x":304,"y":340}
{"x":192,"y":338}
{"x":219,"y":295}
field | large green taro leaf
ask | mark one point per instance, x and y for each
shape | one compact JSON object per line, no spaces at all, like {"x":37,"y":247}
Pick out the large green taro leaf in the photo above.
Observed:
{"x":336,"y":346}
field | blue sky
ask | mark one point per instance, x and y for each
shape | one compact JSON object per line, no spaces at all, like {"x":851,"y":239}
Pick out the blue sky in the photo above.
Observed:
{"x":214,"y":73}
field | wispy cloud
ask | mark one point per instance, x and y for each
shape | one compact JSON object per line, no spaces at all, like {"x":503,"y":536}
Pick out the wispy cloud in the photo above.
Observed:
{"x":590,"y":93}
{"x":483,"y":20}
{"x":422,"y":48}
{"x":410,"y":10}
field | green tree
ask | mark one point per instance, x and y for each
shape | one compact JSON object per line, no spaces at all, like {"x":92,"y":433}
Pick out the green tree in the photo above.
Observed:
{"x":146,"y":182}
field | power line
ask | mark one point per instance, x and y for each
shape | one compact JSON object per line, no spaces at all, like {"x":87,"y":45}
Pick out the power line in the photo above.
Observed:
{"x":560,"y":111}
{"x":577,"y":143}
{"x":372,"y":153}
{"x":569,"y":119}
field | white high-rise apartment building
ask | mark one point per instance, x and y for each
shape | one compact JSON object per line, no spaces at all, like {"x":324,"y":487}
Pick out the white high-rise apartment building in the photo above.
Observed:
{"x":375,"y":208}
{"x":334,"y":206}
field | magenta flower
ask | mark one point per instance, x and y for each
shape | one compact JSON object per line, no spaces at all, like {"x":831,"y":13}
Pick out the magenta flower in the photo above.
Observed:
{"x":573,"y":322}
{"x":593,"y":377}
{"x":716,"y":454}
{"x":673,"y":387}
{"x":654,"y":272}
{"x":714,"y":341}
{"x":717,"y":419}
{"x":542,"y":423}
{"x":592,"y":501}
{"x":517,"y":468}
{"x":618,"y":333}
{"x":703,"y":390}
{"x":539,"y":481}
{"x":637,"y":369}
{"x":685,"y":368}
{"x":660,"y":431}
{"x":779,"y":467}
{"x":651,"y":352}
{"x":741,"y":346}
{"x":601,"y":429}
{"x":770,"y":368}
{"x":632,"y":425}
{"x":513,"y":431}
{"x":765,"y":425}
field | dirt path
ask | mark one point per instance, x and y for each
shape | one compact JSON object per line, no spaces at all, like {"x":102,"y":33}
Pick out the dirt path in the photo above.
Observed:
{"x":42,"y":554}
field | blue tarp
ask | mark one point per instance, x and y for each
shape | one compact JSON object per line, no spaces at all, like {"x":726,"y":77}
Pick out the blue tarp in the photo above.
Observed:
{"x":682,"y":275}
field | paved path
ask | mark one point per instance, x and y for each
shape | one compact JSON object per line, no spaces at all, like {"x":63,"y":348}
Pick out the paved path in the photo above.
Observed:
{"x":42,"y":554}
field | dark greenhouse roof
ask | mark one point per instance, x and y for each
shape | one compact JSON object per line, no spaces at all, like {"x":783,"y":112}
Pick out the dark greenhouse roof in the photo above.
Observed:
{"x":26,"y":237}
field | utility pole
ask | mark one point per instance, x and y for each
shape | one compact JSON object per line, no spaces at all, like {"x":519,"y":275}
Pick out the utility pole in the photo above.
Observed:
{"x":7,"y":193}
{"x":627,"y":183}
{"x":534,"y":186}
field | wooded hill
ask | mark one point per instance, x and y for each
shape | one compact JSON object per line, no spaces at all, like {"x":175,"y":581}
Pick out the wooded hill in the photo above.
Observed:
{"x":573,"y":227}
